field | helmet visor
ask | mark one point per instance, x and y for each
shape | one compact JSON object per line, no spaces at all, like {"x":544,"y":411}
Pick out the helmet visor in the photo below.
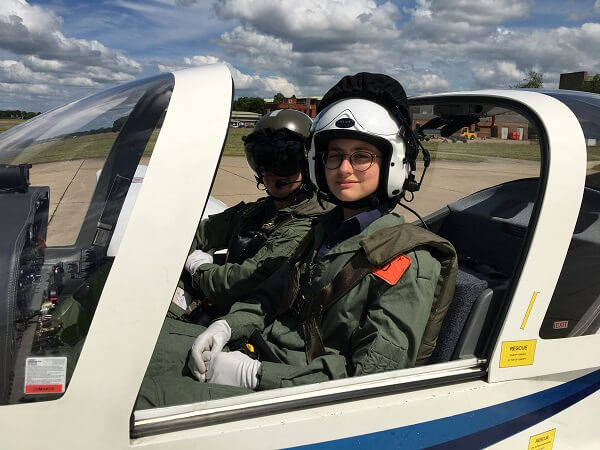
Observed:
{"x":281,"y":157}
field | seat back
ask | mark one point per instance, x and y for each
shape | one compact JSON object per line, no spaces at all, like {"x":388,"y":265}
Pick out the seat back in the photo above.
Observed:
{"x":470,"y":290}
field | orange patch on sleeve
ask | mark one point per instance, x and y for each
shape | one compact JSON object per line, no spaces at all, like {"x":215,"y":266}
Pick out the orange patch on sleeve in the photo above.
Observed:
{"x":392,"y":271}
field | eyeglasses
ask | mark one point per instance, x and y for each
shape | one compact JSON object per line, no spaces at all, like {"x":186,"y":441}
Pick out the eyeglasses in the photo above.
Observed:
{"x":360,"y":161}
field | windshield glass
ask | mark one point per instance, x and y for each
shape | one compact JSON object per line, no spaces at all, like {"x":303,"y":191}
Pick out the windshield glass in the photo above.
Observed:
{"x":67,"y":184}
{"x":585,"y":107}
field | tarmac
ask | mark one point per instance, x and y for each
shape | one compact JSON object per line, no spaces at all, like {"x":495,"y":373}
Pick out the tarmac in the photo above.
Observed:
{"x":72,"y":183}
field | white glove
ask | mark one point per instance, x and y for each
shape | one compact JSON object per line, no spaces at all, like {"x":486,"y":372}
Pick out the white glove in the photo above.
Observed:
{"x":213,"y":339}
{"x":231,"y":368}
{"x":182,"y":298}
{"x":197,"y":258}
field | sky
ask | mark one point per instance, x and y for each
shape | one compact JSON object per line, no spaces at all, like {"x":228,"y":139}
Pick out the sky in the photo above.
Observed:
{"x":56,"y":51}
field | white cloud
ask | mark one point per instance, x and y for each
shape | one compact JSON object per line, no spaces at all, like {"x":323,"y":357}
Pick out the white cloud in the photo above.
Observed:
{"x":15,"y":72}
{"x":332,"y":24}
{"x":79,"y":82}
{"x":45,"y":55}
{"x":275,"y":41}
{"x":427,"y":82}
{"x":497,"y":74}
{"x":46,"y":65}
{"x":35,"y":18}
{"x":201,"y":60}
{"x":461,"y":21}
{"x":301,"y":47}
{"x":565,"y":49}
{"x":475,"y":12}
{"x":260,"y":50}
{"x":32,"y":88}
{"x":255,"y":84}
{"x":32,"y":30}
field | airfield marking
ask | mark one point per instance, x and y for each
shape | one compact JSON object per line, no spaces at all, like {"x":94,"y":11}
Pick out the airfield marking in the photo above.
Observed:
{"x":529,"y":308}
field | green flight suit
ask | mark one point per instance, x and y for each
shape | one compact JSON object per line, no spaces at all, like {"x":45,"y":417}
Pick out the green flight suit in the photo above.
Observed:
{"x":224,"y":284}
{"x":375,"y":327}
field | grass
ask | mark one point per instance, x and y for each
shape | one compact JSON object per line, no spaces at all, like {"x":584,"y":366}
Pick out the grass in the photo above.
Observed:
{"x":6,"y":124}
{"x":438,"y":152}
{"x":98,"y":146}
{"x":82,"y":147}
{"x":480,"y":150}
{"x":234,"y":146}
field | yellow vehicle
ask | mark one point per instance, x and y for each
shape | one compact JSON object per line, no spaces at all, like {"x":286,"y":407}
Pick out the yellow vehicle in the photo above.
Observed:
{"x":468,"y":133}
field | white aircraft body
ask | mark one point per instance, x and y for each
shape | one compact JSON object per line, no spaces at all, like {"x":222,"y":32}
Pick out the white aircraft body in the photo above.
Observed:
{"x":519,"y":360}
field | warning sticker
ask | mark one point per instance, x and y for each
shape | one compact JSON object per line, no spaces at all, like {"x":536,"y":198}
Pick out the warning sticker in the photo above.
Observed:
{"x":45,"y":375}
{"x":542,"y":441}
{"x":517,"y":353}
{"x":560,"y":324}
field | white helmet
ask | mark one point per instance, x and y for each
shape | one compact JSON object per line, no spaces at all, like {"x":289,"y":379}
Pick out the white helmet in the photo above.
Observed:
{"x":365,"y":120}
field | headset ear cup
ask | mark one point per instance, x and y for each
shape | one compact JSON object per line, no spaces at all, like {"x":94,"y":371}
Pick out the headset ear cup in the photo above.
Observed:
{"x":413,"y":151}
{"x":411,"y":185}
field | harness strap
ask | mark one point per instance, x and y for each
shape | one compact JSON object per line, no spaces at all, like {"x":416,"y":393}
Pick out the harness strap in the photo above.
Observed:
{"x":313,"y":342}
{"x":353,"y":271}
{"x":256,"y":228}
{"x":311,"y":309}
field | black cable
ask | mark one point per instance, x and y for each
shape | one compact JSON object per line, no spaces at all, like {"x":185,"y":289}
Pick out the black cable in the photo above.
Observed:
{"x":416,"y":214}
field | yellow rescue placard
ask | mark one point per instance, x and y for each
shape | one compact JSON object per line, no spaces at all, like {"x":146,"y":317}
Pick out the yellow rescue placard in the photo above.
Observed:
{"x":517,"y":353}
{"x":542,"y":441}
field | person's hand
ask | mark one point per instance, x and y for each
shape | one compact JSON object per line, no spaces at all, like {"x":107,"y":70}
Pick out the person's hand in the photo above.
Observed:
{"x":197,"y":258}
{"x":231,"y":368}
{"x":213,"y":339}
{"x":182,"y":298}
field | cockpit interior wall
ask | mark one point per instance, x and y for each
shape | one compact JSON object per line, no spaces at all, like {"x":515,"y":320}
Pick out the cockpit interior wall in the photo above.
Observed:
{"x":21,"y":254}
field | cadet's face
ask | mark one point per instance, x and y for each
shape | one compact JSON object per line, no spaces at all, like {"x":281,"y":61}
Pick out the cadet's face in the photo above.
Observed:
{"x":346,"y":182}
{"x":270,"y":181}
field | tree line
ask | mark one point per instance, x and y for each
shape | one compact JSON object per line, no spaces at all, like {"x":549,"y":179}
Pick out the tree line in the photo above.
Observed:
{"x":255,"y":104}
{"x":591,"y":85}
{"x":17,"y":114}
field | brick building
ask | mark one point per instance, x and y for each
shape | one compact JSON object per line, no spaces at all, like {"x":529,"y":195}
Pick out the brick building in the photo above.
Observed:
{"x":307,"y":105}
{"x":572,"y":80}
{"x":501,"y":125}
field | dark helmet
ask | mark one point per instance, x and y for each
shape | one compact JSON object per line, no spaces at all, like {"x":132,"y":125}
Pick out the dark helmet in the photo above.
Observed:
{"x":277,"y":144}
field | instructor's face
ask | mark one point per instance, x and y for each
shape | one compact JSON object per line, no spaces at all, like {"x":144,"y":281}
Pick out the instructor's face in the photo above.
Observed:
{"x":271,"y":183}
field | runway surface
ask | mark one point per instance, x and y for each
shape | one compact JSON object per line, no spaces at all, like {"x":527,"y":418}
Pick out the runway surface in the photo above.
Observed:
{"x":72,"y":183}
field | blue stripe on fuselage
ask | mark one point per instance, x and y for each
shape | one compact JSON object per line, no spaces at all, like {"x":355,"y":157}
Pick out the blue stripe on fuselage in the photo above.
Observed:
{"x":478,"y":428}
